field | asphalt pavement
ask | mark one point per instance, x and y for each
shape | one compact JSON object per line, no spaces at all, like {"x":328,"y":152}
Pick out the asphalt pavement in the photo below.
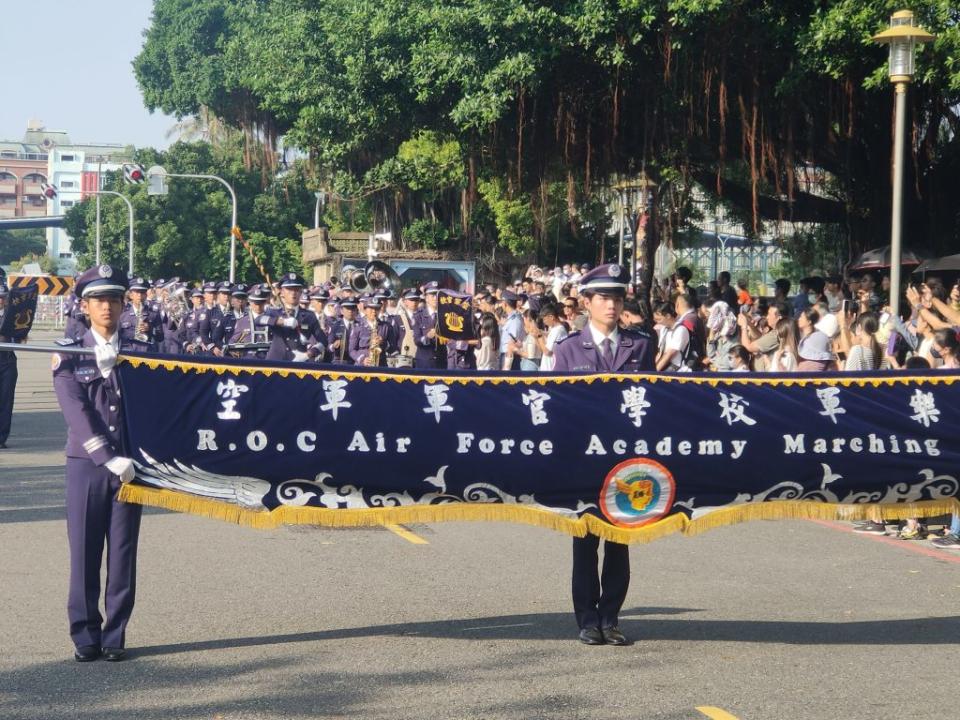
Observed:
{"x":760,"y":621}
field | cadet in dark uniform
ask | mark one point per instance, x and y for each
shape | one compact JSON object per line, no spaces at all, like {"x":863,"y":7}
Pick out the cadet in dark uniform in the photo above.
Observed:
{"x":77,"y":323}
{"x":431,"y":353}
{"x":296,"y":333}
{"x":343,"y":329}
{"x":139,"y":321}
{"x":602,"y":347}
{"x":372,"y":334}
{"x":89,"y":395}
{"x":249,"y":329}
{"x":8,"y":374}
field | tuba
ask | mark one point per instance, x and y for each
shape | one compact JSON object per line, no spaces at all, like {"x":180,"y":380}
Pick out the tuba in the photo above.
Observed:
{"x":354,"y":278}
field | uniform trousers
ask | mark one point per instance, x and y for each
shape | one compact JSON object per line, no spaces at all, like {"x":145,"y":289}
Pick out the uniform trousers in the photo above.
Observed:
{"x":597,"y":598}
{"x":8,"y":386}
{"x":95,"y":517}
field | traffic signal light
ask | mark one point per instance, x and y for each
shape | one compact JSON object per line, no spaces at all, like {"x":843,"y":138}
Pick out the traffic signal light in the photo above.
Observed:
{"x":134,"y":174}
{"x":49,"y":191}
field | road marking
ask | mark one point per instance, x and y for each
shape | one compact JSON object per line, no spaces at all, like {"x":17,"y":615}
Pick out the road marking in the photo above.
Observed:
{"x":407,"y":535}
{"x":910,"y":545}
{"x":716,"y":713}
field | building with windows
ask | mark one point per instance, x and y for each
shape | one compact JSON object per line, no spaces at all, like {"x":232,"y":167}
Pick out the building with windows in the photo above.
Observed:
{"x":50,"y":156}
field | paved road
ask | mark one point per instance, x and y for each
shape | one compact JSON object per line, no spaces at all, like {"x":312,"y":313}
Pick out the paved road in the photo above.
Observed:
{"x":761,"y":621}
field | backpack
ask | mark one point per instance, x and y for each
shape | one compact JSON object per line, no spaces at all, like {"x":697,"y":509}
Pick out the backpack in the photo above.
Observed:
{"x":693,"y":355}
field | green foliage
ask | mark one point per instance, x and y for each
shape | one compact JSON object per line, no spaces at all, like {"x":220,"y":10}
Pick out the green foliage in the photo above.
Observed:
{"x":405,"y":105}
{"x":16,"y":244}
{"x":426,"y":234}
{"x":512,"y":217}
{"x":47,"y":263}
{"x":187,"y":232}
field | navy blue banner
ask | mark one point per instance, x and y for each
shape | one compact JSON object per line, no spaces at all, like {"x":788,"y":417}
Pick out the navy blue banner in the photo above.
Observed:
{"x":19,"y":314}
{"x":627,"y":457}
{"x":455,"y":316}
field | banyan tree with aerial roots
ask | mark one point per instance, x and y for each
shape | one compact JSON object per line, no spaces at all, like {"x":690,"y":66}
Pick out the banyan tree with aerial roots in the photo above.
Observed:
{"x":508,"y":121}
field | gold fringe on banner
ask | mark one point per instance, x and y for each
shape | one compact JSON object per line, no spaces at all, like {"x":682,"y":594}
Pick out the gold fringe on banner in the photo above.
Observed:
{"x":316,"y":371}
{"x":588,"y":524}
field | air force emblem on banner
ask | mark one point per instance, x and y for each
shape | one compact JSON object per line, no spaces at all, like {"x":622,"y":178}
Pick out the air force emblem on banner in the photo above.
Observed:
{"x":637,"y":492}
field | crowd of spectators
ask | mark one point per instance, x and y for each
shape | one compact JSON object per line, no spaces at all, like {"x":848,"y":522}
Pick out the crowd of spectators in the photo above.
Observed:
{"x":829,"y":323}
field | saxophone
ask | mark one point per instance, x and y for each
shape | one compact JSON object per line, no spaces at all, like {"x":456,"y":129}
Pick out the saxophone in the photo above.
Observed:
{"x":375,"y":345}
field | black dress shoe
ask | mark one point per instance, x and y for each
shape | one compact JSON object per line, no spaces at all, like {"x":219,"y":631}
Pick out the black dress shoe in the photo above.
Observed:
{"x":114,"y":654}
{"x":87,"y":653}
{"x":591,"y":636}
{"x":613,"y":636}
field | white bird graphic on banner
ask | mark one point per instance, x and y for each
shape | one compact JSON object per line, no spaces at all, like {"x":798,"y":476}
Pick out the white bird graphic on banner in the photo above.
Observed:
{"x":829,"y":476}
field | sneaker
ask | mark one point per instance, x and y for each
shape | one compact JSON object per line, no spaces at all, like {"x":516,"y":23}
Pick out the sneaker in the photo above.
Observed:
{"x":871,"y":528}
{"x":950,"y":542}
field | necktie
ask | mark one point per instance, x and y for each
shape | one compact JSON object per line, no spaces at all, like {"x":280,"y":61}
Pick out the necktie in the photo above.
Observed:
{"x":606,"y":353}
{"x":345,"y":341}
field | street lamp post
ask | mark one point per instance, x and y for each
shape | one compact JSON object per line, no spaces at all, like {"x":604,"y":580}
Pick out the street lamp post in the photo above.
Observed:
{"x":123,"y":197}
{"x":902,"y":36}
{"x":156,"y":170}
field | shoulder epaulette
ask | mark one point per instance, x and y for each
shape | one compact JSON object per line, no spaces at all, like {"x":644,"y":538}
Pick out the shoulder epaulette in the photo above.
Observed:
{"x":65,"y":342}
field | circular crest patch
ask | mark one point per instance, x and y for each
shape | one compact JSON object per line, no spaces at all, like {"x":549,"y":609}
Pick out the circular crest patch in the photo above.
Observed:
{"x":613,"y":270}
{"x":105,"y":271}
{"x":637,"y":492}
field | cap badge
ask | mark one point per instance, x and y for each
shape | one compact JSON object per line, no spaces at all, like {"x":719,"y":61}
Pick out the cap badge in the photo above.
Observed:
{"x":613,"y":270}
{"x":105,"y":271}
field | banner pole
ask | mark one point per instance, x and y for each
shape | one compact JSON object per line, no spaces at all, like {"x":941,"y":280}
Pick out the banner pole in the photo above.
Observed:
{"x":18,"y":347}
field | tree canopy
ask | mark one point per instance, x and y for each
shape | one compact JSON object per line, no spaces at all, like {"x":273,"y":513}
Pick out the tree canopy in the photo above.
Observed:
{"x":506,"y":121}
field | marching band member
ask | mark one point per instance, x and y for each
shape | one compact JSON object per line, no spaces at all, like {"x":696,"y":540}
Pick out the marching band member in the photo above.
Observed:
{"x":210,"y":327}
{"x":602,"y":347}
{"x":297,"y":335}
{"x":343,"y":329}
{"x":224,"y":295}
{"x":248,"y":328}
{"x":431,"y":353}
{"x":89,"y":395}
{"x":192,"y":341}
{"x":368,"y":345}
{"x":139,"y":321}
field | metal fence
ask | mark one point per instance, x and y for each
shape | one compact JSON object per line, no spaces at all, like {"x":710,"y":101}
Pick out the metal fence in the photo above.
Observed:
{"x":755,"y":261}
{"x":49,"y":313}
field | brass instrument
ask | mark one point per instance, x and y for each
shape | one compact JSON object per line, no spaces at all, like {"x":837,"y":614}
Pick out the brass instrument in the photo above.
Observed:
{"x":375,"y":345}
{"x":138,"y":334}
{"x":375,"y":275}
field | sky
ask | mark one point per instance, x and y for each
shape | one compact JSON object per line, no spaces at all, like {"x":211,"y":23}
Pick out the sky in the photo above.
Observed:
{"x":69,"y":66}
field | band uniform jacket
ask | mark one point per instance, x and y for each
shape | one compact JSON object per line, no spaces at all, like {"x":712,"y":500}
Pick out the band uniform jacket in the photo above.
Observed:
{"x":636,"y":352}
{"x":360,"y":341}
{"x":128,"y":323}
{"x":91,"y":402}
{"x":210,"y":327}
{"x":306,"y":337}
{"x":431,"y":353}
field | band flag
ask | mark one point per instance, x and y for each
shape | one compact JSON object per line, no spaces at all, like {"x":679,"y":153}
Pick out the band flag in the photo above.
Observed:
{"x":626,"y":457}
{"x":20,"y":312}
{"x":455,"y":316}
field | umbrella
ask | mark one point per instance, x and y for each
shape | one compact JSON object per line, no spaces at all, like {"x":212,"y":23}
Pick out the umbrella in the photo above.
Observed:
{"x":950,"y":262}
{"x":879,"y":258}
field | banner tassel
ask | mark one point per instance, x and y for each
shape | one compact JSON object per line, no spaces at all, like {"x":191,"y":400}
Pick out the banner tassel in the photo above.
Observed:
{"x":472,"y":512}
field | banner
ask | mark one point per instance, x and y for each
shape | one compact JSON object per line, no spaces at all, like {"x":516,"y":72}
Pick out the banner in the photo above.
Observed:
{"x":627,"y":457}
{"x":19,"y":313}
{"x":455,"y":316}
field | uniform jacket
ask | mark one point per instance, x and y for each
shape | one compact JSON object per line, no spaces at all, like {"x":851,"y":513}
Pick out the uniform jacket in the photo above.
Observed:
{"x":636,"y":352}
{"x":360,"y":341}
{"x":90,"y":402}
{"x":127,"y":326}
{"x":306,"y":337}
{"x":430,"y":352}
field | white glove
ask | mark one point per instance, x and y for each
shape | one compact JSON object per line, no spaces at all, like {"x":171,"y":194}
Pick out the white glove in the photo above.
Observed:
{"x":289,"y":322}
{"x":106,"y":358}
{"x":122,"y":466}
{"x":300,"y":356}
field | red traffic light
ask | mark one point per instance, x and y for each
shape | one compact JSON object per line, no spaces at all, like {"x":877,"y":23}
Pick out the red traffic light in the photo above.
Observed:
{"x":134,"y":174}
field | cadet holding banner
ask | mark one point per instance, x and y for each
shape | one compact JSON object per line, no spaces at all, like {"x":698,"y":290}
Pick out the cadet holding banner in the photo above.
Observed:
{"x":88,"y":391}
